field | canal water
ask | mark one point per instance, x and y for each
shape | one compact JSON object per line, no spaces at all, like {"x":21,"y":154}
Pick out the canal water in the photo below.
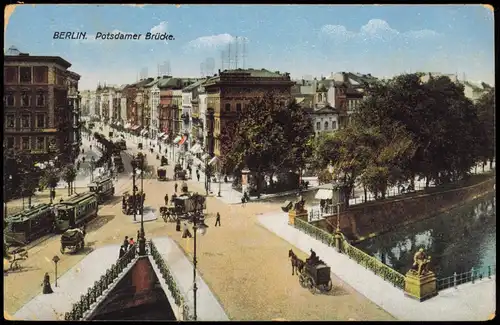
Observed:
{"x":457,"y":240}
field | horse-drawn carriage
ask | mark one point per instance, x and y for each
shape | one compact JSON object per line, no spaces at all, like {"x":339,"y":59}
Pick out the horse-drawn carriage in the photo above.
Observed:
{"x":129,"y":204}
{"x":73,"y":239}
{"x":313,"y":273}
{"x":316,"y":277}
{"x":182,"y":205}
{"x":180,"y":173}
{"x":161,"y":173}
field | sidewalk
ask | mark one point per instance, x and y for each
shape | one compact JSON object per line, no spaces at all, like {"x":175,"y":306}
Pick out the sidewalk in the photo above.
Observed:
{"x":208,"y":307}
{"x":469,"y":302}
{"x":71,"y":285}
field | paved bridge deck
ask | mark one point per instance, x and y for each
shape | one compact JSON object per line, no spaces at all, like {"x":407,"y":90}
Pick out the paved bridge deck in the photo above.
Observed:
{"x":469,"y":302}
{"x":76,"y":281}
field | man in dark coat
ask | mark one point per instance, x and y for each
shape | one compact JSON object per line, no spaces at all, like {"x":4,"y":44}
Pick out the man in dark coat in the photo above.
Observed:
{"x":217,"y":220}
{"x":198,"y":175}
{"x":166,"y":199}
{"x":125,"y":241}
{"x":175,"y":187}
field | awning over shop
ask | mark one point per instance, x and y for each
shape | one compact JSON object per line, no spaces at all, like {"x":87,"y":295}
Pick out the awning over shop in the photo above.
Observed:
{"x":177,"y":138}
{"x":160,"y":135}
{"x":205,"y":156}
{"x":143,"y":132}
{"x":135,"y":127}
{"x":196,"y":149}
{"x":323,"y":194}
{"x":127,"y":125}
{"x":213,"y":160}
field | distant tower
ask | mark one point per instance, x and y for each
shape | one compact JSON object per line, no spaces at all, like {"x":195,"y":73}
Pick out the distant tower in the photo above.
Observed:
{"x":209,"y":66}
{"x":244,"y":52}
{"x":167,"y":68}
{"x":202,"y":70}
{"x":229,"y":60}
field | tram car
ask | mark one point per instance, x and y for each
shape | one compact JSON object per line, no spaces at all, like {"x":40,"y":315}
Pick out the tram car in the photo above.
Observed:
{"x":103,"y":187}
{"x":28,"y":225}
{"x":118,"y":162}
{"x":76,"y":211}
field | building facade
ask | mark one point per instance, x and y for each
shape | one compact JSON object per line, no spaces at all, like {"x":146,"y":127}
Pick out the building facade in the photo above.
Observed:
{"x":230,"y":92}
{"x":40,"y":95}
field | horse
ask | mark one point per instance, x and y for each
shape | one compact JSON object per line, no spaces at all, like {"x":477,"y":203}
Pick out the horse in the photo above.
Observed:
{"x":297,"y":263}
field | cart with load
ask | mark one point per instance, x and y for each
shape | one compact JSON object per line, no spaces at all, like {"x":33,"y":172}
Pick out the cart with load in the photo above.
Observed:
{"x":179,"y":172}
{"x":161,"y":173}
{"x":316,"y":277}
{"x":117,"y":160}
{"x":73,"y":239}
{"x":182,"y":205}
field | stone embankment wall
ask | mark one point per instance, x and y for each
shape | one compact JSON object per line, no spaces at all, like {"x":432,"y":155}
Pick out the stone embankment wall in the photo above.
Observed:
{"x":359,"y":222}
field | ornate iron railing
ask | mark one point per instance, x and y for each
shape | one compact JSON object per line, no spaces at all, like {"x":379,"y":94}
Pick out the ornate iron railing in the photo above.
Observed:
{"x":169,"y":279}
{"x":470,"y":276}
{"x":84,"y":304}
{"x":369,"y":262}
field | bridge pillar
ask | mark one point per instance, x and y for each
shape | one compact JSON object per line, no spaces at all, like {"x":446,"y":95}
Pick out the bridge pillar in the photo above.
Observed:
{"x":420,"y":287}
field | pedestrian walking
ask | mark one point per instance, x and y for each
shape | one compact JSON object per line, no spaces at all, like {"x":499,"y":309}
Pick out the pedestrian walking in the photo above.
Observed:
{"x":125,"y":241}
{"x":178,"y":225}
{"x":166,"y":199}
{"x":217,"y":220}
{"x":175,"y":187}
{"x":123,"y":250}
{"x":198,"y":175}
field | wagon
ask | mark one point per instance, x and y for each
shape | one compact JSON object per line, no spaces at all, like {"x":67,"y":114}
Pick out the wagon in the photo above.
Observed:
{"x":169,"y":213}
{"x":316,"y":277}
{"x":161,"y":173}
{"x":73,"y":239}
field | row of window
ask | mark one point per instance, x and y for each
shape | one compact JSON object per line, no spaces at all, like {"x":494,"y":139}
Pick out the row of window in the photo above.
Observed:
{"x":227,"y":107}
{"x":39,"y":143}
{"x":326,"y":125}
{"x":9,"y":99}
{"x":25,"y":121}
{"x":26,"y":75}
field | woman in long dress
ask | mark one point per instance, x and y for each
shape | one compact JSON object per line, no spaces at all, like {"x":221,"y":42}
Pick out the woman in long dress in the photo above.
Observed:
{"x":46,"y":284}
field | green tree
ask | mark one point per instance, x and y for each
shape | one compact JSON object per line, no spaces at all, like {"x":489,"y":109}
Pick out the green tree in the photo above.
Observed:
{"x":69,"y":177}
{"x":438,"y":117}
{"x":271,"y":136}
{"x":50,"y":178}
{"x":486,"y":114}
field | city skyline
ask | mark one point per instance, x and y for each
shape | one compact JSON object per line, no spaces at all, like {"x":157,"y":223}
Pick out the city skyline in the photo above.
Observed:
{"x":308,"y":40}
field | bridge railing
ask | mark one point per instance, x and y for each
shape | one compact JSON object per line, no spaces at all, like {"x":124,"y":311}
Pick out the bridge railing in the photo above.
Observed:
{"x":87,"y":300}
{"x":369,"y":262}
{"x":171,"y":283}
{"x":470,"y":276}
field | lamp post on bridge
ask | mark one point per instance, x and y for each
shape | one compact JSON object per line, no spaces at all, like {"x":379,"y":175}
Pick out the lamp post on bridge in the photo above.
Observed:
{"x":340,"y":198}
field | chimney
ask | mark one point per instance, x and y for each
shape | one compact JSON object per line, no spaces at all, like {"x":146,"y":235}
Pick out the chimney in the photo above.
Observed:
{"x":303,"y":82}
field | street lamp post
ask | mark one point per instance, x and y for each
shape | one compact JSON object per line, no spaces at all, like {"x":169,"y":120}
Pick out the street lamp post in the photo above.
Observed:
{"x":220,"y":175}
{"x":56,"y":260}
{"x":199,"y":225}
{"x":142,"y":239}
{"x":134,"y":168}
{"x":92,"y":162}
{"x":335,"y":185}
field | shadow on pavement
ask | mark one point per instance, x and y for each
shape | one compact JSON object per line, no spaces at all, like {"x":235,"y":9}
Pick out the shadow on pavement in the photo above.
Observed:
{"x":98,"y":222}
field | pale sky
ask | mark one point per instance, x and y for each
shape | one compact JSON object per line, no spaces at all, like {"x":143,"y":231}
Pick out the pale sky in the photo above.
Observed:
{"x":302,"y":40}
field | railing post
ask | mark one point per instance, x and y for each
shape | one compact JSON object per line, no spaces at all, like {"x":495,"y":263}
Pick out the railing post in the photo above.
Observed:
{"x":455,"y":280}
{"x":489,"y":271}
{"x":472,"y":272}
